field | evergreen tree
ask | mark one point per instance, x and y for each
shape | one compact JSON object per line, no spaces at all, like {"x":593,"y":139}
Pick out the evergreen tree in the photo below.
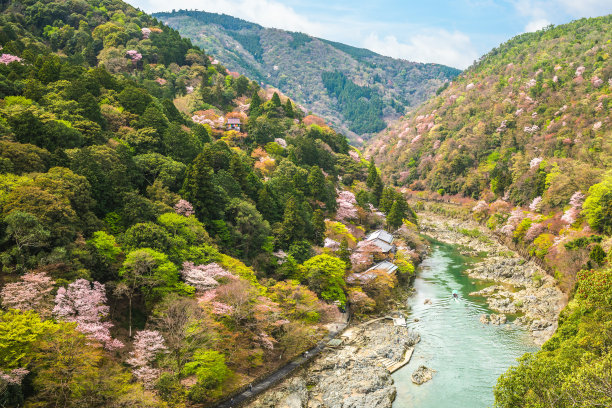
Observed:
{"x":255,"y":107}
{"x":293,"y":224}
{"x":345,"y":254}
{"x":276,"y":102}
{"x":316,"y":183}
{"x":318,"y":227}
{"x":387,"y":199}
{"x":396,"y":215}
{"x":289,"y":109}
{"x":372,"y":175}
{"x":200,"y":190}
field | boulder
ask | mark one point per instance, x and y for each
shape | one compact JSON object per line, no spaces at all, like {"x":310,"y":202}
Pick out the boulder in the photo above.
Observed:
{"x":421,"y":375}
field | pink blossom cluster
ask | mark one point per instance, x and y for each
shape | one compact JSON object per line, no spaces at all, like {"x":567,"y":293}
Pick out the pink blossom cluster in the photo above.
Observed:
{"x":596,"y":81}
{"x":535,"y":162}
{"x":531,"y":129}
{"x":15,"y":376}
{"x":28,"y":294}
{"x":221,"y":308}
{"x":531,"y":83}
{"x":513,"y":221}
{"x":571,"y":215}
{"x":266,"y":340}
{"x":204,"y":277}
{"x":84,"y":303}
{"x":580,"y":70}
{"x":161,"y":81}
{"x":189,"y":89}
{"x":354,"y":155}
{"x":346,"y":205}
{"x":518,"y":112}
{"x":147,"y":345}
{"x":415,"y":139}
{"x":535,"y":204}
{"x":534,"y":231}
{"x":469,"y":86}
{"x":8,"y":58}
{"x":146,"y":32}
{"x":480,"y":206}
{"x":502,"y":127}
{"x":555,"y":79}
{"x":436,"y":144}
{"x":281,"y":142}
{"x":331,"y":244}
{"x":184,"y":207}
{"x":134,"y":55}
{"x":207,"y":296}
{"x":597,"y":125}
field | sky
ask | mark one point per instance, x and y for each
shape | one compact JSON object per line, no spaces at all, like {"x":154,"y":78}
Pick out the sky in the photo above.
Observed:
{"x":450,"y":32}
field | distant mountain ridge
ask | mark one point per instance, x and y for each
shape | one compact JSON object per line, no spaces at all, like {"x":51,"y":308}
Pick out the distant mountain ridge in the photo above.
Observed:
{"x":358,"y":91}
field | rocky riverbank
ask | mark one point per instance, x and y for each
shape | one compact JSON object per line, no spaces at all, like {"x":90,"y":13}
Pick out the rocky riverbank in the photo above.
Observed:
{"x":522,"y":288}
{"x":350,"y":375}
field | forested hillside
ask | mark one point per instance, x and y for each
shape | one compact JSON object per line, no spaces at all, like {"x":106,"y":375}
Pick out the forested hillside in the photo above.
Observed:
{"x":373,"y":88}
{"x":163,"y":222}
{"x":527,"y":132}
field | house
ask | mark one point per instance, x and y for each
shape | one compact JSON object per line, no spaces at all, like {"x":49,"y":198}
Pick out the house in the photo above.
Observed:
{"x":364,"y":277}
{"x":233,"y":124}
{"x":384,"y":266}
{"x":383,"y":240}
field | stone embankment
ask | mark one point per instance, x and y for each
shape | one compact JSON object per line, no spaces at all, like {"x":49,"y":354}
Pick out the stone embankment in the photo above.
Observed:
{"x":350,"y":375}
{"x":522,"y":288}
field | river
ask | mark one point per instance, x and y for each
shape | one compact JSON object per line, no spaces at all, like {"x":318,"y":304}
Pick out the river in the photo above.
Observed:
{"x":468,"y":356}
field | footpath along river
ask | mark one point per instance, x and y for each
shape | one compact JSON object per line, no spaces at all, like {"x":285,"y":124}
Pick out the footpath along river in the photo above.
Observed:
{"x":468,"y":356}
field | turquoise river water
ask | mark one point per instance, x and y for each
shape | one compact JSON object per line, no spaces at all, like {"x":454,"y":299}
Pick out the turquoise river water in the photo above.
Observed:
{"x":467,"y":355}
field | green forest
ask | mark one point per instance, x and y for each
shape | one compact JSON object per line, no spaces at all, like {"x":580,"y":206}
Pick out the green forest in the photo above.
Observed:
{"x":151,"y":255}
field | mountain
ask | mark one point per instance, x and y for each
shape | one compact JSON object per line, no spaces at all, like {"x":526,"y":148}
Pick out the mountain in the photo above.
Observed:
{"x":539,"y":101}
{"x":354,"y":89}
{"x":162,"y":223}
{"x":527,"y":132}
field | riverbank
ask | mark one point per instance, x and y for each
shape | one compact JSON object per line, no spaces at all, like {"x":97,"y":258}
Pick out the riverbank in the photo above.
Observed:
{"x":351,"y":374}
{"x":522,"y":288}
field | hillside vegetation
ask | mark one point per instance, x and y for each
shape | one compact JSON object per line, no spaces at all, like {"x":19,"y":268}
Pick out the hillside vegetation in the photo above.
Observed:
{"x":526,"y":131}
{"x":150,"y":255}
{"x":374,"y":88}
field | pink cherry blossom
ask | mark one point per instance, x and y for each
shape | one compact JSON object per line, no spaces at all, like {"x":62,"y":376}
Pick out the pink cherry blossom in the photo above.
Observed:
{"x":535,"y":204}
{"x":184,"y":207}
{"x":204,"y":277}
{"x":134,"y":55}
{"x":8,"y":58}
{"x":146,"y":32}
{"x":29,"y":294}
{"x":83,"y":302}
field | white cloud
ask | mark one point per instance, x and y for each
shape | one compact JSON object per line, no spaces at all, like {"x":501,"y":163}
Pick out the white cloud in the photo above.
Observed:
{"x":268,"y":13}
{"x":437,"y":45}
{"x":542,"y":12}
{"x":537,"y":24}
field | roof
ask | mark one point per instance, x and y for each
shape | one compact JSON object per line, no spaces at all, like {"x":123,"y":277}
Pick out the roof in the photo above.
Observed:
{"x":382,"y":235}
{"x":384,"y":247}
{"x":233,"y":121}
{"x":385,"y":266}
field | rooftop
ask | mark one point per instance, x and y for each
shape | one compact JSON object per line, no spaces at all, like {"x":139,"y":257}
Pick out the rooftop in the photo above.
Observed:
{"x":381,"y":235}
{"x":385,"y":266}
{"x":233,"y":121}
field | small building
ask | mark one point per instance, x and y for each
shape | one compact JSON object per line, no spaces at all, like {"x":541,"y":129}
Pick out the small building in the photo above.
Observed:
{"x":383,"y":240}
{"x":233,"y":124}
{"x":385,"y":266}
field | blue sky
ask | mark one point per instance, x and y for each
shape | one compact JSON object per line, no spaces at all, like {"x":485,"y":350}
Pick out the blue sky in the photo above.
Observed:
{"x":451,"y":32}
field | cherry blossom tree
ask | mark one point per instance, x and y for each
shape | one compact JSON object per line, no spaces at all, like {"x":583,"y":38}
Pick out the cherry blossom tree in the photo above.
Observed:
{"x":184,"y":207}
{"x":571,"y":215}
{"x":147,"y":345}
{"x":535,"y":204}
{"x":8,"y":58}
{"x":204,"y":277}
{"x":134,"y":55}
{"x":515,"y":218}
{"x":84,"y":303}
{"x":346,"y":205}
{"x":32,"y":293}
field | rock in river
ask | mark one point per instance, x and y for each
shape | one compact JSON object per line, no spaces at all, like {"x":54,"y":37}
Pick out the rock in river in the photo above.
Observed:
{"x":421,"y":375}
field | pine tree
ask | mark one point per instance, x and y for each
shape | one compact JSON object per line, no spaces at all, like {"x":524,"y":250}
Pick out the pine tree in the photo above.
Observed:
{"x":316,"y":183}
{"x":289,"y":109}
{"x":255,"y":107}
{"x":372,"y":175}
{"x":318,"y":227}
{"x":386,"y":200}
{"x":293,"y":224}
{"x":396,"y":215}
{"x":344,"y":253}
{"x":276,"y":102}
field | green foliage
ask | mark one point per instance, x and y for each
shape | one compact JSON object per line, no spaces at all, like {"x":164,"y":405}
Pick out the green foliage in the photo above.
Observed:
{"x":18,"y":332}
{"x":324,"y":274}
{"x":598,"y":205}
{"x":210,"y":369}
